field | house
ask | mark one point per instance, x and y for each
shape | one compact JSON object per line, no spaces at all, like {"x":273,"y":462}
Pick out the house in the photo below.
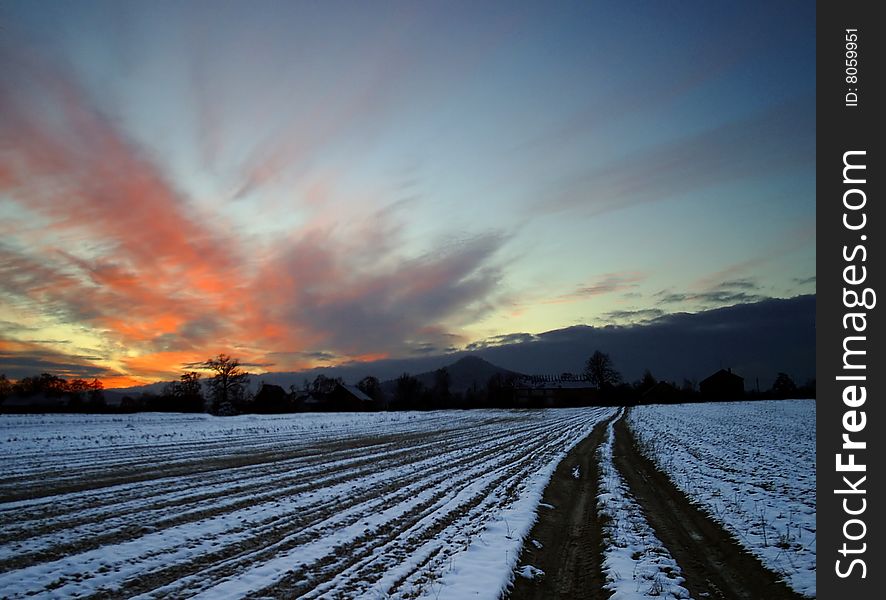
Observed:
{"x":661,"y":393}
{"x":547,"y":391}
{"x":335,"y":397}
{"x":722,"y":385}
{"x":272,"y":399}
{"x":348,"y":398}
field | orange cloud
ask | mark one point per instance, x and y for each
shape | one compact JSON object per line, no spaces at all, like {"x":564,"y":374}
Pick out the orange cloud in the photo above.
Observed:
{"x":125,"y":257}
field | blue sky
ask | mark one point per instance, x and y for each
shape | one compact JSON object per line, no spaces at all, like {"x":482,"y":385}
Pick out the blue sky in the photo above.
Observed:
{"x":299,"y":182}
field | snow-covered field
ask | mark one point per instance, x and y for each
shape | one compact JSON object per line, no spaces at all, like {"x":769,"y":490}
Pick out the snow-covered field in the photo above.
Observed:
{"x":386,"y":505}
{"x":751,"y":466}
{"x":636,"y":563}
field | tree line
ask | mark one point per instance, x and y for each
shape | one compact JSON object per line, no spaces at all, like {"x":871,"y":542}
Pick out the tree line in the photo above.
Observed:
{"x":63,"y":395}
{"x":225,"y":391}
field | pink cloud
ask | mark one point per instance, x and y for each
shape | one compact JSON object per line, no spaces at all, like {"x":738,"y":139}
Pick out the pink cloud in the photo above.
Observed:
{"x":125,"y":256}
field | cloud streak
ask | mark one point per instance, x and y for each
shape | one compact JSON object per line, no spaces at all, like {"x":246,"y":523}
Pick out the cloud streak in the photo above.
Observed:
{"x":125,"y":256}
{"x":764,"y":142}
{"x":604,"y":284}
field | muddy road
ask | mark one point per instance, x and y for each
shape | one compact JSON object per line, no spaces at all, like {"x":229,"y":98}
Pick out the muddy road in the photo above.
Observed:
{"x":567,"y":540}
{"x":570,"y":534}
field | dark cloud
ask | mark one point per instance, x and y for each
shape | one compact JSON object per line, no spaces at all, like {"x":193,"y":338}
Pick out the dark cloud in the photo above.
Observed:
{"x":742,"y":284}
{"x":256,"y":365}
{"x":756,"y":340}
{"x":605,"y":284}
{"x":424,"y":349}
{"x":319,"y":355}
{"x":395,"y":311}
{"x":643,"y":314}
{"x":735,"y":291}
{"x":19,"y":364}
{"x":502,"y":340}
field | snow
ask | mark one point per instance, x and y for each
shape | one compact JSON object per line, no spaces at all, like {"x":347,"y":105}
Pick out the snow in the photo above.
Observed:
{"x":751,"y":467}
{"x":530,"y":572}
{"x":636,"y":563}
{"x":369,"y":505}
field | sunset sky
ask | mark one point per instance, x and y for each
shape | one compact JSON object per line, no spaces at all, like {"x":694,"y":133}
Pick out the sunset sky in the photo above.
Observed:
{"x":310,"y":183}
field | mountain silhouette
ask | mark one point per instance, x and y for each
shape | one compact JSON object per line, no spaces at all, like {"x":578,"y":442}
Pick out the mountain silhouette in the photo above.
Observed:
{"x":464,"y":373}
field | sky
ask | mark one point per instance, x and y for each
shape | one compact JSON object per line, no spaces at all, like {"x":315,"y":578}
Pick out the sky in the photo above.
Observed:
{"x":301,"y":184}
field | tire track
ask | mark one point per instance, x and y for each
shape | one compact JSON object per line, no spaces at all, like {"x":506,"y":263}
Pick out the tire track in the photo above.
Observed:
{"x":714,"y":564}
{"x":570,"y":532}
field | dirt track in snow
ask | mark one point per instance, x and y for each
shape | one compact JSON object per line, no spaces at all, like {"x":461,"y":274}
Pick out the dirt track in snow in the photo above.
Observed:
{"x":715,"y":566}
{"x":570,"y":533}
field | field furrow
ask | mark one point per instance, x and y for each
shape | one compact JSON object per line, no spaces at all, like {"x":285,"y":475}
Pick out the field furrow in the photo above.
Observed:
{"x":751,"y":467}
{"x":177,"y":506}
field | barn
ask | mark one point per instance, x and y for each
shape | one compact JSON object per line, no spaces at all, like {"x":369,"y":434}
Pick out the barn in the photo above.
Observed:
{"x":722,"y":385}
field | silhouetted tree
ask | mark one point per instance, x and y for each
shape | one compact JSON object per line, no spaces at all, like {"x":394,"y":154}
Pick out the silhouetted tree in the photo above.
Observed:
{"x":646,"y":383}
{"x":46,"y":383}
{"x":601,"y":372}
{"x":441,"y":393}
{"x":128,"y":404}
{"x":184,"y":395}
{"x":807,"y":390}
{"x":784,"y":386}
{"x":228,"y":384}
{"x":323,"y":385}
{"x":500,"y":391}
{"x":190,"y":386}
{"x":95,"y":396}
{"x":5,"y":387}
{"x":407,"y":393}
{"x":78,"y":386}
{"x":72,"y":396}
{"x":474,"y":397}
{"x":370,"y":386}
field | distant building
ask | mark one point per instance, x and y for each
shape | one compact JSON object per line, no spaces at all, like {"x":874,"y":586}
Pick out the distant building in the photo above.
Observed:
{"x":722,"y":385}
{"x":350,"y":397}
{"x":272,"y":399}
{"x":548,"y":391}
{"x":661,"y":393}
{"x":337,"y":397}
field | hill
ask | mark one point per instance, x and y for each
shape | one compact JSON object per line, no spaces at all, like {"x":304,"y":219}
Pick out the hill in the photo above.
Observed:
{"x":463,"y":374}
{"x":757,"y":340}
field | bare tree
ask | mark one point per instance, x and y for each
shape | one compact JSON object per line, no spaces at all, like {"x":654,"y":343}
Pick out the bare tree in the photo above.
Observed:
{"x":5,"y":387}
{"x":601,"y":372}
{"x":184,"y":395}
{"x":370,"y":386}
{"x":442,"y":384}
{"x":228,"y":384}
{"x":646,"y":383}
{"x":784,"y":386}
{"x":190,"y":385}
{"x":408,"y":392}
